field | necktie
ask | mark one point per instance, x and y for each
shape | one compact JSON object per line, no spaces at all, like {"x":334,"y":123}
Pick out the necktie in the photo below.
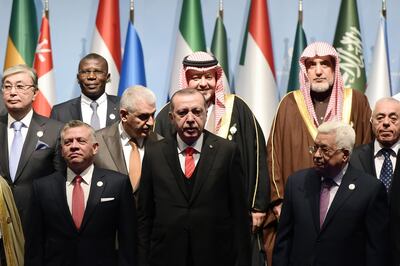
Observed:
{"x":387,"y":169}
{"x":135,"y":165}
{"x":78,"y":202}
{"x":16,"y":148}
{"x":94,"y":120}
{"x":326,"y":186}
{"x":189,"y":162}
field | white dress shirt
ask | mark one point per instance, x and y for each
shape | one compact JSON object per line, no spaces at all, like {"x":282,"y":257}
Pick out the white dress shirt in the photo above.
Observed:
{"x":181,"y":150}
{"x":24,"y":130}
{"x":379,"y":158}
{"x":101,"y":109}
{"x":126,"y":147}
{"x":85,"y":184}
{"x":338,"y":180}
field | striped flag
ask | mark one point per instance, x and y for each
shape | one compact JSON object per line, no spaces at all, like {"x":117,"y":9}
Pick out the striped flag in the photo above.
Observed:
{"x":190,"y":38}
{"x":107,"y":40}
{"x":132,"y":72}
{"x":23,"y":34}
{"x":255,"y":79}
{"x":43,"y":64}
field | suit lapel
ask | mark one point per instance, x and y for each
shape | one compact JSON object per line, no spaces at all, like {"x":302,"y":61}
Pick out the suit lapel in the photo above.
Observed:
{"x":114,"y":146}
{"x":313,"y":185}
{"x":112,"y":111}
{"x":367,"y":159}
{"x":4,"y":148}
{"x":76,"y":109}
{"x":60,"y":196}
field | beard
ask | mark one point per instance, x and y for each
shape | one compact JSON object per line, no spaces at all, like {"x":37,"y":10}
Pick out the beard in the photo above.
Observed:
{"x":320,"y":87}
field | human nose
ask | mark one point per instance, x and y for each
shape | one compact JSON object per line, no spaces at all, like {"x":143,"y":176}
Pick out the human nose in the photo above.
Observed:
{"x":150,"y":121}
{"x":203,"y":82}
{"x":318,"y":69}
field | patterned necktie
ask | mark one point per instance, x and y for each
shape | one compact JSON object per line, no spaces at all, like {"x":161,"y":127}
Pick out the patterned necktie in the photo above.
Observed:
{"x":326,"y":186}
{"x":16,"y":148}
{"x":94,"y":120}
{"x":135,"y":165}
{"x":387,"y":169}
{"x":189,"y":162}
{"x":78,"y":202}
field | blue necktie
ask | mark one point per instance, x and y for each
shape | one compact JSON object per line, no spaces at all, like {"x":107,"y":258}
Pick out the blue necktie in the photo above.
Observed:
{"x":387,"y":169}
{"x":16,"y":148}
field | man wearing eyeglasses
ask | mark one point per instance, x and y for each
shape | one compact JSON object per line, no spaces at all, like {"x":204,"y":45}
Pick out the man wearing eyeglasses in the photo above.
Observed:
{"x":122,"y":145}
{"x":333,"y":214}
{"x":94,"y":106}
{"x":380,"y":159}
{"x":30,"y":146}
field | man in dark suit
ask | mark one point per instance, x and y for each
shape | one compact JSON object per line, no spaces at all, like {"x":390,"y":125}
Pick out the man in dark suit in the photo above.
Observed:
{"x":30,"y":141}
{"x":94,"y":106}
{"x":192,"y":205}
{"x":78,"y":215}
{"x":333,"y":214}
{"x":371,"y":159}
{"x":137,"y":109}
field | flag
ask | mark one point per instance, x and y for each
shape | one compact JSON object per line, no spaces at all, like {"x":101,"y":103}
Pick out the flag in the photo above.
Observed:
{"x":255,"y":79}
{"x":43,"y":64}
{"x":348,"y":43}
{"x":107,"y":40}
{"x":132,"y":72}
{"x":190,"y":38}
{"x":379,"y":85}
{"x":300,"y":43}
{"x":22,"y":35}
{"x":219,"y":47}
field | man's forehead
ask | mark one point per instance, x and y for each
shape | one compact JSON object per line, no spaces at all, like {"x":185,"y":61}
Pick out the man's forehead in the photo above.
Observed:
{"x":319,"y":58}
{"x":200,"y":71}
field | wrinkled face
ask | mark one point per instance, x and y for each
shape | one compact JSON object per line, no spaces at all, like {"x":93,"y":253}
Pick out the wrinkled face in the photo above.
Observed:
{"x":321,"y":72}
{"x":78,"y":148}
{"x":328,"y":160}
{"x":19,"y":93}
{"x":204,"y":82}
{"x":92,"y":77}
{"x":140,"y":122}
{"x":189,"y":116}
{"x":385,"y":122}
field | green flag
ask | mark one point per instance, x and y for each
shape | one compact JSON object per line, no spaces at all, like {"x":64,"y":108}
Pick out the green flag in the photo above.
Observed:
{"x":219,"y":47}
{"x":300,"y":43}
{"x":23,"y":34}
{"x":348,"y":43}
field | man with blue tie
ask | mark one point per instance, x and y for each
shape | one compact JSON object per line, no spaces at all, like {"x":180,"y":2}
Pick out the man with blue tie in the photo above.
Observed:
{"x":380,"y":159}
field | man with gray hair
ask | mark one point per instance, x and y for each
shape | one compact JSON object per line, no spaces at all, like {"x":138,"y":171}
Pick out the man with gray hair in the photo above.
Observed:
{"x":122,"y":145}
{"x":333,"y":214}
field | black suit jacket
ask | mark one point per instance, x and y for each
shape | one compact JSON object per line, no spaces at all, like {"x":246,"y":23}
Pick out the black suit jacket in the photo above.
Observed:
{"x":355,"y":230}
{"x":40,"y":156}
{"x":71,"y":110}
{"x":363,"y":158}
{"x":109,"y":212}
{"x":211,"y":226}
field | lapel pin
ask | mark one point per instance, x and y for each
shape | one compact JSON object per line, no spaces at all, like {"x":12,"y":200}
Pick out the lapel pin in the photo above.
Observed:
{"x":352,"y":186}
{"x":39,"y":133}
{"x":211,"y":146}
{"x":229,"y":137}
{"x":99,"y":183}
{"x":112,"y":116}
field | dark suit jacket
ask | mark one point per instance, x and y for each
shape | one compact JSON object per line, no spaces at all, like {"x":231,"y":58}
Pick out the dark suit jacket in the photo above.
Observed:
{"x":110,"y":154}
{"x":363,"y":158}
{"x":109,"y":212}
{"x":355,"y":230}
{"x":40,"y":156}
{"x":211,"y":226}
{"x":71,"y":110}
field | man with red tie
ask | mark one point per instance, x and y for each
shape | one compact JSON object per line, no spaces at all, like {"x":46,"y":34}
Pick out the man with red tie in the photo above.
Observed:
{"x":192,"y":207}
{"x":78,"y":215}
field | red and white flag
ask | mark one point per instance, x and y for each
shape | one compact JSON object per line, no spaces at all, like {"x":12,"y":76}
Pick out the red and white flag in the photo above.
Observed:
{"x":107,"y":40}
{"x":43,"y":64}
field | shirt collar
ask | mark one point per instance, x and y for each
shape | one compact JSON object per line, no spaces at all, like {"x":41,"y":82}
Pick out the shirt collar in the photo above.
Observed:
{"x":26,"y":120}
{"x":338,"y":178}
{"x":86,"y":175}
{"x":125,"y":137}
{"x":87,"y":100}
{"x":196,"y":145}
{"x":377,"y":148}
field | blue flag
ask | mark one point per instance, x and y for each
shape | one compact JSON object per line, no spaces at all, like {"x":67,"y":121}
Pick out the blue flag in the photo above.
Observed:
{"x":132,"y":72}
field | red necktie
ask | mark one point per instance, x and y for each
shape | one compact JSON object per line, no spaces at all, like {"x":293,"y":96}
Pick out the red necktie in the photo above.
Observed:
{"x":78,"y":202}
{"x":189,"y":162}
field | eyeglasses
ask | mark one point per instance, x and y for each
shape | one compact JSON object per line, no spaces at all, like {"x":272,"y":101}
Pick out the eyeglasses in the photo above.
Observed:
{"x":87,"y":73}
{"x":20,"y":88}
{"x":324,"y":150}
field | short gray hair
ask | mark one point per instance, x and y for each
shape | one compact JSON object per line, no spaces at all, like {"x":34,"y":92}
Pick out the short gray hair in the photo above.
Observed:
{"x":133,"y":95}
{"x":345,"y":134}
{"x":384,"y":99}
{"x":77,"y":123}
{"x":21,"y":68}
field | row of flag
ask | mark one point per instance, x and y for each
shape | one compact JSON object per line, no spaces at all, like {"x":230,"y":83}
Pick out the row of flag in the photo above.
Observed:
{"x":255,"y":77}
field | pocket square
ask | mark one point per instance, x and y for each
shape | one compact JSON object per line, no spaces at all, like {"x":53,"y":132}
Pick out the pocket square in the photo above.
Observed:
{"x":40,"y":145}
{"x":106,"y":199}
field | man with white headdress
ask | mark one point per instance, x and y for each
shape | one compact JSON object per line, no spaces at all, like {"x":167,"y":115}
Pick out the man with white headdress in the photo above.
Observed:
{"x":229,"y":117}
{"x":321,"y":98}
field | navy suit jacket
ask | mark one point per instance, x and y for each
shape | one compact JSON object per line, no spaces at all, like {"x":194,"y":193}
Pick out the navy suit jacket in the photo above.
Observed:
{"x":354,"y":232}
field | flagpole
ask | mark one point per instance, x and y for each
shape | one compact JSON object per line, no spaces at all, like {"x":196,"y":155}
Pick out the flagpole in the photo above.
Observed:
{"x":46,"y":8}
{"x":301,"y":12}
{"x":131,"y":11}
{"x":221,"y":10}
{"x":384,"y":8}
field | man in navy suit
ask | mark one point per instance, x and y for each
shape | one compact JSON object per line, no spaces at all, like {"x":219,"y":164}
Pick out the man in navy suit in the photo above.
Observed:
{"x":94,"y":107}
{"x":77,"y":216}
{"x":333,"y":214}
